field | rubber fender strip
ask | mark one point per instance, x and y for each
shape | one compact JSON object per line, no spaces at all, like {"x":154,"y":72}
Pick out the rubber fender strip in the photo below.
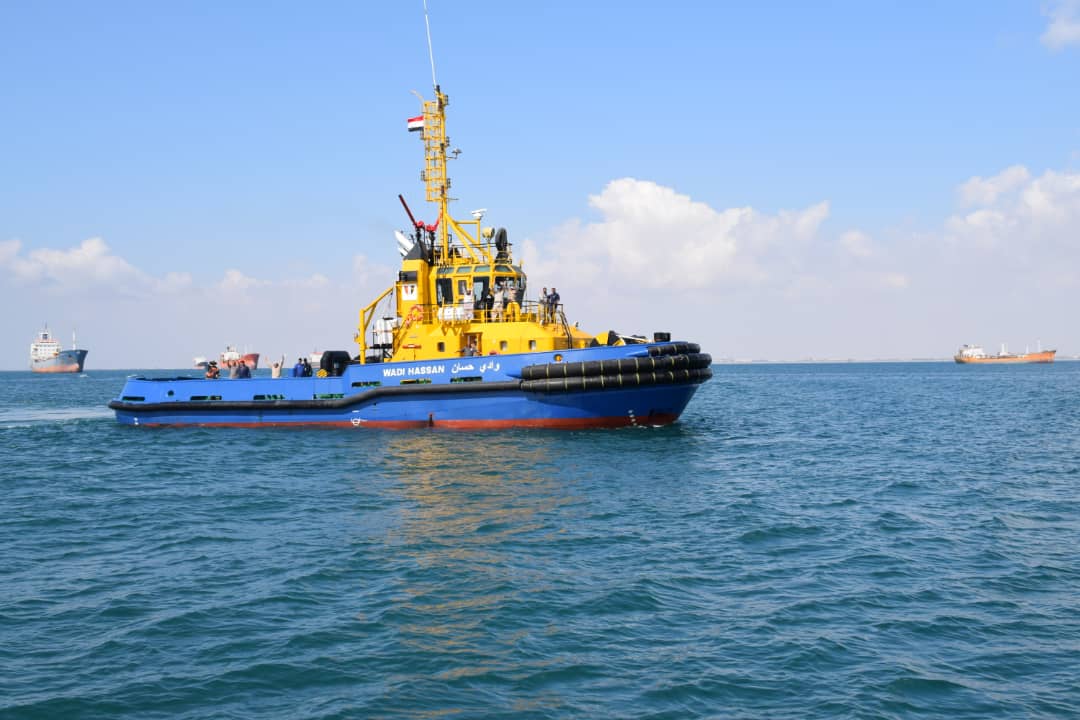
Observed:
{"x":624,"y":380}
{"x":677,"y":348}
{"x":615,"y":366}
{"x":559,"y":369}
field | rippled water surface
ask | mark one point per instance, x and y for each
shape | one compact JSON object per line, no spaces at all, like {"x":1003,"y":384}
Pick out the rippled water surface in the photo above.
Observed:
{"x":809,"y":541}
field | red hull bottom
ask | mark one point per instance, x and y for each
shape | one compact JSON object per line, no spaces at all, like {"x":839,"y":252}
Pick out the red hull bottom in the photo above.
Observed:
{"x":541,"y":423}
{"x":1043,"y":356}
{"x":58,"y":369}
{"x":252,"y":361}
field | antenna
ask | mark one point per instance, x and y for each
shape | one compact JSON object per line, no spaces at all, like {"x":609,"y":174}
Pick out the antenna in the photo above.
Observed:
{"x":431,"y":53}
{"x":409,"y":212}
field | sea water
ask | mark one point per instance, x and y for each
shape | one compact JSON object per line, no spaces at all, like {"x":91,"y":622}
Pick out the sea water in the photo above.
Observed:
{"x":808,"y":541}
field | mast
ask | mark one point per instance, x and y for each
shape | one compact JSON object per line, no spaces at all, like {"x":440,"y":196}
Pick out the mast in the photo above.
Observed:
{"x":437,"y":181}
{"x":435,"y":141}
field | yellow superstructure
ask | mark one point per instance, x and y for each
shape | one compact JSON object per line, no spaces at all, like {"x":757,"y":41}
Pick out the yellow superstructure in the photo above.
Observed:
{"x":459,"y":291}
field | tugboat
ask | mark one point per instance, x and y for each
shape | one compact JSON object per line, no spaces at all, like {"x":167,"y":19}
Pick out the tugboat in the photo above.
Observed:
{"x":453,"y":342}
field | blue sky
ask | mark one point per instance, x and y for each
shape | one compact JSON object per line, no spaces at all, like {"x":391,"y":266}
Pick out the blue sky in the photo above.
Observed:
{"x":181,"y":177}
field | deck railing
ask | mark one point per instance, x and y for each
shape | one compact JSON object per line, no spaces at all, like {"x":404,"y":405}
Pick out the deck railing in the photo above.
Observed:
{"x":527,"y":311}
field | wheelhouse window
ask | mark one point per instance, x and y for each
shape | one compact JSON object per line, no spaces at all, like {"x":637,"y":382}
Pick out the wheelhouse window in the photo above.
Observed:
{"x":444,"y":291}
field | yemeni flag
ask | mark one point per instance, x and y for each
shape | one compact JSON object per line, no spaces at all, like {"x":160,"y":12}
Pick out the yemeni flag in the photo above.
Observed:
{"x":416,"y":123}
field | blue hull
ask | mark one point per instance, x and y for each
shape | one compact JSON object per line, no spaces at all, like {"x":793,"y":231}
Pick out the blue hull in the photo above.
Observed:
{"x":594,"y":387}
{"x":66,"y":361}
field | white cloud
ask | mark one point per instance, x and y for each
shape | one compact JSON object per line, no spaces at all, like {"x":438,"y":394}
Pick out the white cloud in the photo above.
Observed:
{"x":656,"y":259}
{"x":315,"y":282}
{"x":652,"y":237}
{"x":895,"y":280}
{"x":174,"y":282}
{"x":237,"y":282}
{"x":130,"y":318}
{"x":983,"y":191}
{"x":366,"y":272}
{"x":742,"y":282}
{"x":89,"y":264}
{"x":754,"y":284}
{"x":9,"y":251}
{"x":857,"y":244}
{"x":1042,"y":211}
{"x":1064,"y":27}
{"x":1051,"y":200}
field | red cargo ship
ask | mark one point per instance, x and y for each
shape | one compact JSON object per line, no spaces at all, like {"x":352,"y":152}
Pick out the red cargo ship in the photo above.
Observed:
{"x":974,"y":354}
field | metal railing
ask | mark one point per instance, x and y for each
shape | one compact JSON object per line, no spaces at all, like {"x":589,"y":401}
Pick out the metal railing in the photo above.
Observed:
{"x":453,"y":313}
{"x":459,"y":313}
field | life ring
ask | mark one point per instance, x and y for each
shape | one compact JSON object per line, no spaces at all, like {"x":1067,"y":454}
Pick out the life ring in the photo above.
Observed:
{"x":415,"y":315}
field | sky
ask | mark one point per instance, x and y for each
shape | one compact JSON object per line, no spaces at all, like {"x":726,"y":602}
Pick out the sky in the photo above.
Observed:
{"x":773,"y":180}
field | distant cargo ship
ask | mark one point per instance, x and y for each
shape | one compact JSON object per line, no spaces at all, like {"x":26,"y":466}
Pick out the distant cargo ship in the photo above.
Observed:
{"x":973,"y":354}
{"x":232,"y":357}
{"x":229,"y":357}
{"x":46,"y":355}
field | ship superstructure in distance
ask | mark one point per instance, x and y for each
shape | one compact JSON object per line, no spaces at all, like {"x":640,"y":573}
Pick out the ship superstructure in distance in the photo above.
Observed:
{"x":48,"y":356}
